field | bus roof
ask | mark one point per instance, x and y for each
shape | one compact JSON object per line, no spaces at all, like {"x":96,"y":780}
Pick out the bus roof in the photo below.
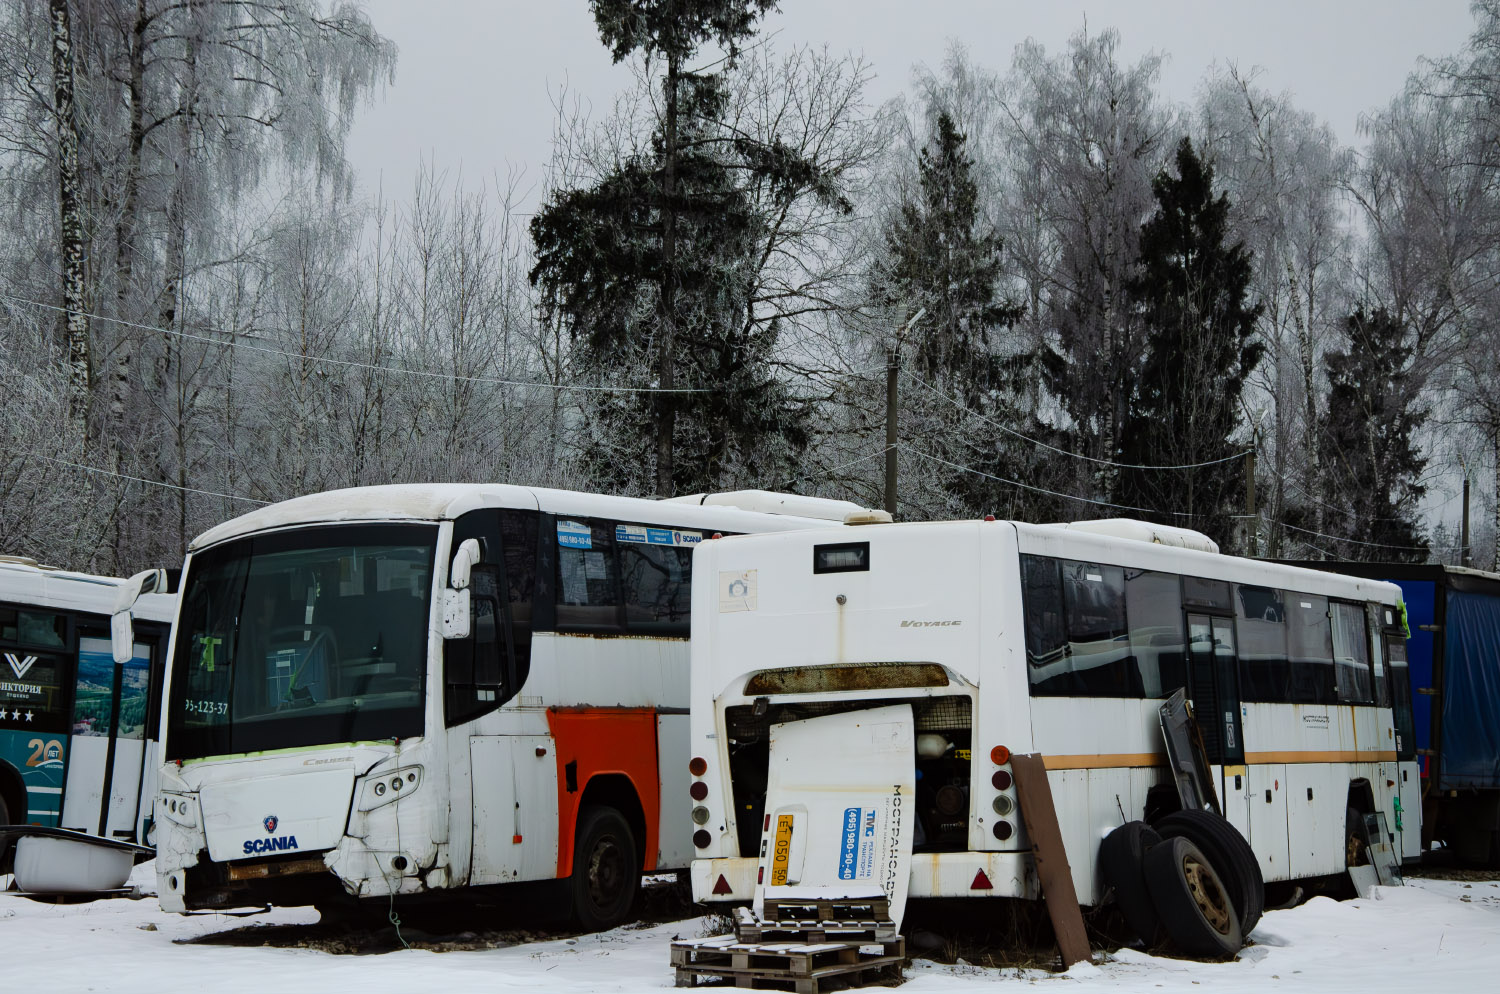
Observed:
{"x":445,"y":501}
{"x":22,"y":583}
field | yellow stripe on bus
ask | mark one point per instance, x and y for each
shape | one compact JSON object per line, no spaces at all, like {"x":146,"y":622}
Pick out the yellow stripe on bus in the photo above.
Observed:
{"x":1141,"y":759}
{"x":1331,"y":756}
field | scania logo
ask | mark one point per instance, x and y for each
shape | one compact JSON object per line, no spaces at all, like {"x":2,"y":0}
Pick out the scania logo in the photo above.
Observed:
{"x":270,"y":822}
{"x":930,"y":624}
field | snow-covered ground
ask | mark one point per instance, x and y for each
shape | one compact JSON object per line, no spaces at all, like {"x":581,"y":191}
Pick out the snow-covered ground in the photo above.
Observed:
{"x":1432,"y":935}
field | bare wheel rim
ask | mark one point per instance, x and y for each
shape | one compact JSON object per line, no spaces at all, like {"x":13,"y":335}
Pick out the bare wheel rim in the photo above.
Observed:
{"x":1354,"y":850}
{"x":606,"y":872}
{"x":1210,"y":897}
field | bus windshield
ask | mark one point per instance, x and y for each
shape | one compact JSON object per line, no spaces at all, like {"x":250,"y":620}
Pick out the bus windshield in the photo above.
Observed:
{"x":313,"y":636}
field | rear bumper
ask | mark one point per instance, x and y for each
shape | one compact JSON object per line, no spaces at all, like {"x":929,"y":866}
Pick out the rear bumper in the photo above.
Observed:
{"x":1009,"y":874}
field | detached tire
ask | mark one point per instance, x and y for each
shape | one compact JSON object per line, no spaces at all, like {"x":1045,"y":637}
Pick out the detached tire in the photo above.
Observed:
{"x":606,"y":869}
{"x":1229,"y":853}
{"x":1122,"y":857}
{"x":1191,"y":900}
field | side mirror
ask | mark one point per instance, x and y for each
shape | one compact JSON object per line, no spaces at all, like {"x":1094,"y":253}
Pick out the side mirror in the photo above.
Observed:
{"x":121,"y":632}
{"x":456,"y":597}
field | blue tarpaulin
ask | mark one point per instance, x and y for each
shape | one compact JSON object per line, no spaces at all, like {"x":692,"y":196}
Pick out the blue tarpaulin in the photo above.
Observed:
{"x":1471,"y":692}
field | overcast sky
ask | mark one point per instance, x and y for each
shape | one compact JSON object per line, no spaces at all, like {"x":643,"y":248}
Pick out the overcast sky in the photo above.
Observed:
{"x":475,"y":81}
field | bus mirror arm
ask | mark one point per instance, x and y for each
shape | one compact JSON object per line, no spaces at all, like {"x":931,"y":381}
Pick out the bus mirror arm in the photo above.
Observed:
{"x":456,"y":597}
{"x":121,"y":631}
{"x":464,"y":561}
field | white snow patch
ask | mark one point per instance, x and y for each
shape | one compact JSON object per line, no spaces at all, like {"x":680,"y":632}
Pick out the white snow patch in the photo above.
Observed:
{"x":1434,"y":935}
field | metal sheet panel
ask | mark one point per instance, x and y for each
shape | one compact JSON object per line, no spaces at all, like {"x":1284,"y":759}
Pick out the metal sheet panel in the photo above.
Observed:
{"x":839,"y":808}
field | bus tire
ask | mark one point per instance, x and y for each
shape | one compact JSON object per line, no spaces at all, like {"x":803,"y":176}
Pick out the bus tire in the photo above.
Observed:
{"x":1230,"y":854}
{"x":606,"y":869}
{"x":1195,"y":909}
{"x":1122,"y":857}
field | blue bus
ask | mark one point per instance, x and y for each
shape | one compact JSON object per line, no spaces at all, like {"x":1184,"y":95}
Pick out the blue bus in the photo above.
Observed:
{"x":77,"y":730}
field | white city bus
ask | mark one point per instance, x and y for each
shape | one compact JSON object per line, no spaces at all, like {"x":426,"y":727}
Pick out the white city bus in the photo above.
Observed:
{"x":410,"y":689}
{"x":1009,"y":638}
{"x":76,"y":727}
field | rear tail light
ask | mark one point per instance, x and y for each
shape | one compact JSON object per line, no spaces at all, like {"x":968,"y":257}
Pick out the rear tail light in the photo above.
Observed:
{"x":1002,"y":780}
{"x":1000,"y":755}
{"x":699,"y":790}
{"x":1002,"y":830}
{"x":698,"y":766}
{"x":1004,"y":805}
{"x":701,"y":839}
{"x":700,"y":815}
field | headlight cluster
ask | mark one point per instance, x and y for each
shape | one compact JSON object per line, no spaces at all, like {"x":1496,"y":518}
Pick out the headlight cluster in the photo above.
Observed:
{"x":181,"y":809}
{"x":383,"y":788}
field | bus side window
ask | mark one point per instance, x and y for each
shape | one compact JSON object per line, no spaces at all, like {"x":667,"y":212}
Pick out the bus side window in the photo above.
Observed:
{"x":1351,"y":644}
{"x":656,"y":578}
{"x":473,"y":674}
{"x":1046,"y":638}
{"x":518,"y":532}
{"x":1265,"y":673}
{"x":1380,"y":665}
{"x":1400,"y":681}
{"x":588,"y":577}
{"x":1310,"y":648}
{"x":1153,"y":606}
{"x":1098,"y":636}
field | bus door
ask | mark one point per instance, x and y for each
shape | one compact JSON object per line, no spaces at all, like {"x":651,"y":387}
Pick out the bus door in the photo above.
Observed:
{"x":107,"y":747}
{"x":1213,"y":682}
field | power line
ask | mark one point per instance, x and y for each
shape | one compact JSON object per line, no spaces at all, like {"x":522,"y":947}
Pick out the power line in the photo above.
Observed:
{"x":399,"y":370}
{"x":828,"y":473}
{"x":1042,"y":490}
{"x":136,"y":479}
{"x":1064,"y":452}
{"x":1355,"y":541}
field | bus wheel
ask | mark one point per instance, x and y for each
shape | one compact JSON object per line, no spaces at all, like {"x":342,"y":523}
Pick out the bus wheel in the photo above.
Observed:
{"x":1194,"y":907}
{"x":606,"y":870}
{"x":1231,"y":856}
{"x":1122,"y":857}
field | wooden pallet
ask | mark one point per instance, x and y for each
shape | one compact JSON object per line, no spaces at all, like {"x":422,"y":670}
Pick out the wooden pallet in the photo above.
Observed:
{"x":828,"y":908}
{"x":801,"y":966}
{"x":749,"y":928}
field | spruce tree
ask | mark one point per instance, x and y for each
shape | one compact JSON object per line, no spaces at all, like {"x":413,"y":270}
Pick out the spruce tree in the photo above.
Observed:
{"x":1371,"y":468}
{"x":1190,"y":293}
{"x":941,"y":257}
{"x":652,"y":270}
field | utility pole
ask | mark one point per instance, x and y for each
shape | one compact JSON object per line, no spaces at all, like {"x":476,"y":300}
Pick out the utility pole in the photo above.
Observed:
{"x":1463,"y":551}
{"x":892,"y":371}
{"x":1251,"y":520}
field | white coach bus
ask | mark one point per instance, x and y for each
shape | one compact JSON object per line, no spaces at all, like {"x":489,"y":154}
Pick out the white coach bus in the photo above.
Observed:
{"x":407,"y":689}
{"x":77,"y":729}
{"x":1009,"y":638}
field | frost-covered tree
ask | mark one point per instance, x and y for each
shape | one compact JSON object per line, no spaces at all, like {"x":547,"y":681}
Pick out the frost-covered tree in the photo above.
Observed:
{"x":1285,"y":176}
{"x":1085,"y":135}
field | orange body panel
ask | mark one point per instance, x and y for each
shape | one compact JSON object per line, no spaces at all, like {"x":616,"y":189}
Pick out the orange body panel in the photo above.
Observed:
{"x":604,"y":741}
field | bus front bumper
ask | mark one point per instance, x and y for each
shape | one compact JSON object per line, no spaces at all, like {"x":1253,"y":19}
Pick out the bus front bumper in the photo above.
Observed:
{"x":950,"y":874}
